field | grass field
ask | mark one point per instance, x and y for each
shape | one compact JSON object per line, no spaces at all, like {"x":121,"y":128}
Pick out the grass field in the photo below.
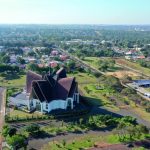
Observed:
{"x":87,"y":85}
{"x":148,"y":89}
{"x":142,"y":113}
{"x":21,"y":114}
{"x":84,"y":142}
{"x":98,"y":97}
{"x":12,"y":80}
{"x":93,"y":61}
{"x":117,"y":71}
{"x":133,"y":65}
{"x":83,"y":77}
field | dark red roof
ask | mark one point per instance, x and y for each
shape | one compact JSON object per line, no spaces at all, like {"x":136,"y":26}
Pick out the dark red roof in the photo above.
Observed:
{"x":48,"y":89}
{"x":61,"y":73}
{"x":31,"y":76}
{"x":64,"y":86}
{"x":66,"y":82}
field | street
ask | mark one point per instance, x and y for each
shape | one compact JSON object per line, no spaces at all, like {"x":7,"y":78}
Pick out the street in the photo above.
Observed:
{"x":2,"y":110}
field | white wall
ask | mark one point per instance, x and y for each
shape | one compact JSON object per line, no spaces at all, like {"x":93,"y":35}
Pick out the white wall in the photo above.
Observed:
{"x":18,"y":102}
{"x":55,"y":104}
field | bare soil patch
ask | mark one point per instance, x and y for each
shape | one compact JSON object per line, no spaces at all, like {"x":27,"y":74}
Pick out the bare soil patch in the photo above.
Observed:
{"x":121,"y":74}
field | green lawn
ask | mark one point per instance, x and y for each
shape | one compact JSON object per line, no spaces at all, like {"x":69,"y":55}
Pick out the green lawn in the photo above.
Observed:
{"x":93,"y":62}
{"x":87,"y":86}
{"x":84,"y":142}
{"x":148,"y":89}
{"x":6,"y":148}
{"x":83,"y":77}
{"x":12,"y":80}
{"x":98,"y":97}
{"x":21,"y":114}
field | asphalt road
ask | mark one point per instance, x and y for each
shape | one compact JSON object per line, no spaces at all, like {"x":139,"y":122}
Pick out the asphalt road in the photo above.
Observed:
{"x":81,"y":62}
{"x":2,"y":110}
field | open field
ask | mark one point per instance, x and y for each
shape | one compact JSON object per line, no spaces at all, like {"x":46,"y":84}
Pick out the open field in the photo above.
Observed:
{"x":91,"y":61}
{"x":87,"y":86}
{"x":21,"y":114}
{"x":94,"y":60}
{"x":91,"y":141}
{"x":97,"y":97}
{"x":121,"y":74}
{"x":12,"y":80}
{"x":83,"y":77}
{"x":148,"y":89}
{"x":85,"y":142}
{"x":100,"y":96}
{"x":142,"y":113}
{"x":134,"y":66}
{"x":115,"y":71}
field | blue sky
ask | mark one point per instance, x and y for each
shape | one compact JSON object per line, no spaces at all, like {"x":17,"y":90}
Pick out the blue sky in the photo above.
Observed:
{"x":75,"y":11}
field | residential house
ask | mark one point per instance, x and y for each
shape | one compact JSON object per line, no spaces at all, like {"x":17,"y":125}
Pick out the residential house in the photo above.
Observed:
{"x":54,"y":52}
{"x":63,"y":57}
{"x":53,"y":64}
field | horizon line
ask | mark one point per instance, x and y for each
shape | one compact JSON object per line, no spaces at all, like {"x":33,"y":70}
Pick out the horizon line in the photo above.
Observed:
{"x":144,"y":24}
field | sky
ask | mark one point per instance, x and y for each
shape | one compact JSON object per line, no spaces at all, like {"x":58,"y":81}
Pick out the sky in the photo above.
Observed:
{"x":74,"y":11}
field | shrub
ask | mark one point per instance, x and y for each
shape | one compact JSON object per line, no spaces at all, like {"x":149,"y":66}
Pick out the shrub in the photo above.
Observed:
{"x":8,"y":131}
{"x":32,"y":129}
{"x":128,"y":91}
{"x":16,"y":141}
{"x":87,"y":90}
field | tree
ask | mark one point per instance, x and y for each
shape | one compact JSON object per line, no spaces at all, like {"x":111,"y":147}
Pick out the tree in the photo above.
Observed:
{"x":71,"y":65}
{"x":105,"y":64}
{"x":32,"y":66}
{"x":21,"y":60}
{"x":5,"y":59}
{"x":112,"y":82}
{"x":32,"y":53}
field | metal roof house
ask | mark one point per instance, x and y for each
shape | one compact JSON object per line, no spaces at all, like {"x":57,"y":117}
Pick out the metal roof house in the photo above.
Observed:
{"x":142,"y":83}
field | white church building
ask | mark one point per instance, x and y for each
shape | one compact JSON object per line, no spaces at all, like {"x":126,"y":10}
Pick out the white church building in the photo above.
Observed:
{"x":48,"y":92}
